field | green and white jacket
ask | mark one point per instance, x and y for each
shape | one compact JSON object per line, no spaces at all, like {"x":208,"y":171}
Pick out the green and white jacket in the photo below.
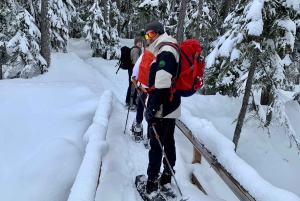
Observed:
{"x":162,"y":70}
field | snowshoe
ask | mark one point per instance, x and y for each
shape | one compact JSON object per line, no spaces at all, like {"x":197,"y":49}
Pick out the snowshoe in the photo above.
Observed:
{"x":140,"y":183}
{"x":167,"y":192}
{"x":137,"y":131}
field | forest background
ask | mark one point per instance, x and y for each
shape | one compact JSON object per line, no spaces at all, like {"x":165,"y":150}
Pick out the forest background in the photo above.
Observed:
{"x":249,"y":46}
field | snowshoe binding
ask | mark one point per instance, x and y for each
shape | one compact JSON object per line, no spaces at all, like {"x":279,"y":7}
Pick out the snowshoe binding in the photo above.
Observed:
{"x":167,"y":192}
{"x":137,"y":131}
{"x":146,"y":143}
{"x":140,"y":183}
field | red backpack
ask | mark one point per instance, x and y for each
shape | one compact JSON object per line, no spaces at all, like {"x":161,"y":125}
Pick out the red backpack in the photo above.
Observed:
{"x":190,"y":72}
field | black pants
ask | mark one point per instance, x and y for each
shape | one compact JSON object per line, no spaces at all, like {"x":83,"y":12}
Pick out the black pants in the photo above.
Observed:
{"x":129,"y":89}
{"x":165,"y":129}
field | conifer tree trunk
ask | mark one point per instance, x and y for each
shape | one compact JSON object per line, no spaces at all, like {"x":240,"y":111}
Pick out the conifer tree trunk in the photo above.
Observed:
{"x":45,"y":33}
{"x":3,"y":55}
{"x":264,"y":96}
{"x":180,"y":29}
{"x":267,"y":98}
{"x":297,"y":79}
{"x":2,"y":59}
{"x":105,"y":10}
{"x":226,"y":9}
{"x":3,"y":52}
{"x":118,"y":25}
{"x":225,"y":12}
{"x":243,"y":110}
{"x":270,"y":104}
{"x":199,"y":19}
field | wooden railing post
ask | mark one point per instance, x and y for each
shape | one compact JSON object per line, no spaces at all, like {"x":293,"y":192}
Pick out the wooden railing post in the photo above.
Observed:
{"x":197,"y":156}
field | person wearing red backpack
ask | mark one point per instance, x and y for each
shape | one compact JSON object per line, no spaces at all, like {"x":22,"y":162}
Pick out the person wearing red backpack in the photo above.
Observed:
{"x":162,"y":110}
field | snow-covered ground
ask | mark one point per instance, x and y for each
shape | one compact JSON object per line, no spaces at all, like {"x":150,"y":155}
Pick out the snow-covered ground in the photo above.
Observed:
{"x":53,"y":135}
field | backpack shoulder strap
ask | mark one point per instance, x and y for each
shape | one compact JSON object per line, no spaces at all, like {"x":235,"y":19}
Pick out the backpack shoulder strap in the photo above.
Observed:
{"x":175,"y":46}
{"x":140,"y":51}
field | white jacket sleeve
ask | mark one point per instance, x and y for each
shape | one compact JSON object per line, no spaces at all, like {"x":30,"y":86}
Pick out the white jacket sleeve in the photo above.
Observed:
{"x":135,"y":70}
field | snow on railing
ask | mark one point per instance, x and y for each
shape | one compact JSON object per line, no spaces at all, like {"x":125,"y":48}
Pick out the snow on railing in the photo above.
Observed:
{"x":241,"y":178}
{"x":85,"y":185}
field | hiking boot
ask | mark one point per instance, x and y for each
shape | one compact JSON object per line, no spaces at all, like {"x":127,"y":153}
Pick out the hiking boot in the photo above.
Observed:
{"x":133,"y":108}
{"x":151,"y":186}
{"x":137,"y":127}
{"x":137,"y":131}
{"x":133,"y":125}
{"x":166,"y":176}
{"x":146,"y":143}
{"x":165,"y":179}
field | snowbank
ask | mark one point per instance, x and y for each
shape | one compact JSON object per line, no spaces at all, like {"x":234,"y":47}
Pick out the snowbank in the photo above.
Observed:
{"x":84,"y":187}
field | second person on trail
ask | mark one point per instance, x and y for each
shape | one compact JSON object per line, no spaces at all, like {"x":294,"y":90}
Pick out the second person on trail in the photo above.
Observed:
{"x":134,"y":55}
{"x":140,"y":81}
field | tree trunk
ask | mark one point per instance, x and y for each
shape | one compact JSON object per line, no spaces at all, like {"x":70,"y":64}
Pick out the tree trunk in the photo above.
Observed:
{"x":225,"y":12}
{"x":119,"y":23}
{"x":264,"y":97}
{"x":297,"y":79}
{"x":243,"y":110}
{"x":226,"y":9}
{"x":199,"y":19}
{"x":3,"y":56}
{"x":105,"y":10}
{"x":45,"y":33}
{"x":270,"y":107}
{"x":180,"y":29}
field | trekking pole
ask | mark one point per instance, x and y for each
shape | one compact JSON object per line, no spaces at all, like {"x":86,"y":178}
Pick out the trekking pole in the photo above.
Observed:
{"x":126,"y":120}
{"x":118,"y":70}
{"x":130,"y":104}
{"x":157,"y":137}
{"x":139,"y":95}
{"x":119,"y":66}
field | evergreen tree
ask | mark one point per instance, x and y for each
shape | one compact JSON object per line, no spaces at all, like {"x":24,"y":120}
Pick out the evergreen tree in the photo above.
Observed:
{"x":204,"y":22}
{"x":25,"y":61}
{"x":78,"y":20}
{"x":7,"y":10}
{"x":269,"y":27}
{"x":76,"y":26}
{"x":96,"y":32}
{"x":149,"y":10}
{"x":131,"y":18}
{"x":113,"y":42}
{"x":61,"y":13}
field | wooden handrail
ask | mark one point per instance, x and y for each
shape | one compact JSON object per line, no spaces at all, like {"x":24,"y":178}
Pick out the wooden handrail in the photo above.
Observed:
{"x":231,"y":182}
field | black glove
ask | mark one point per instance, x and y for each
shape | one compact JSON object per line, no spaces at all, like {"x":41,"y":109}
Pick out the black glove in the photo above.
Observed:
{"x":149,"y":116}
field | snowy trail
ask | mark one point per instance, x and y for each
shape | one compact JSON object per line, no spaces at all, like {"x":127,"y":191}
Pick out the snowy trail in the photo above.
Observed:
{"x":126,"y":159}
{"x":130,"y":159}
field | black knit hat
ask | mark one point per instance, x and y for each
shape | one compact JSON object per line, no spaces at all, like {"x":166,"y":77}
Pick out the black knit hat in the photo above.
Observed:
{"x":137,"y":39}
{"x":156,"y":26}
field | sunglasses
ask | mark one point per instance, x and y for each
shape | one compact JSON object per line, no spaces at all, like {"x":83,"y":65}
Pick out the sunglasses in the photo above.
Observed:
{"x":151,"y":34}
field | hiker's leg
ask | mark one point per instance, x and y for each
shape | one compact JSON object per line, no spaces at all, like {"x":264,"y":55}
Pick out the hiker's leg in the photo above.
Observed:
{"x":129,"y":86}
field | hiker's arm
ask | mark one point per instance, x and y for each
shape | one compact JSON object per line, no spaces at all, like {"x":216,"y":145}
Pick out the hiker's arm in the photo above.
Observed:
{"x":144,"y":90}
{"x":135,"y":71}
{"x":165,"y":68}
{"x":134,"y":82}
{"x":134,"y":55}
